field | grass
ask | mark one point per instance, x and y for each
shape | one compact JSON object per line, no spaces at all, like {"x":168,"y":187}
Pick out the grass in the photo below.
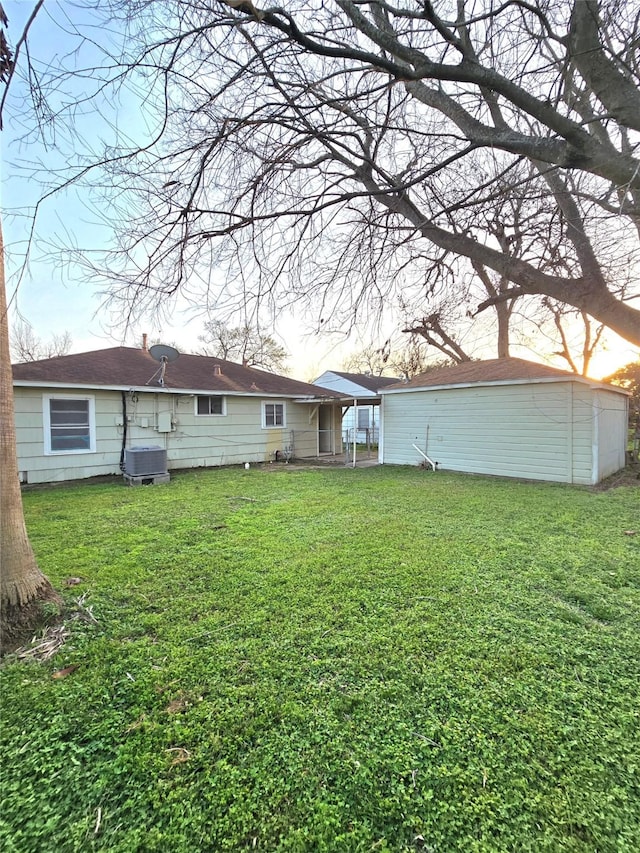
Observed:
{"x":331,"y":660}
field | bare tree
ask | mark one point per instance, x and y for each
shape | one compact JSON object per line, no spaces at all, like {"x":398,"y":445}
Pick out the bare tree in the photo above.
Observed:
{"x":370,"y":359}
{"x":446,"y":326}
{"x":348,"y":153}
{"x":629,"y":377}
{"x":559,"y":330}
{"x":27,"y":346}
{"x":441,"y":333}
{"x":247,"y":345}
{"x":505,"y":223}
{"x":412,"y":358}
{"x":577,"y":354}
{"x":401,"y":358}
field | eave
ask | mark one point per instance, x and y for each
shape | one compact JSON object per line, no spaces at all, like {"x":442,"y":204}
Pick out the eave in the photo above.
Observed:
{"x":158,"y":389}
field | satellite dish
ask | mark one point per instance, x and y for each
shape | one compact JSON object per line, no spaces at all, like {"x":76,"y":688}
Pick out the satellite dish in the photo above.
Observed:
{"x":163,"y":353}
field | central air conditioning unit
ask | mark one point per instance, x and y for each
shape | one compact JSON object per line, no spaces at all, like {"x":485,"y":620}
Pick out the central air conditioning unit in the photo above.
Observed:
{"x":145,"y":460}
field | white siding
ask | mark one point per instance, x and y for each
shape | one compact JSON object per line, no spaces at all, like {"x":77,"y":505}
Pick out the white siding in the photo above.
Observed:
{"x":583,"y":434}
{"x":193,"y":440}
{"x":349,"y":422}
{"x":36,"y":467}
{"x":610,"y":416}
{"x":558,"y":431}
{"x":513,"y":431}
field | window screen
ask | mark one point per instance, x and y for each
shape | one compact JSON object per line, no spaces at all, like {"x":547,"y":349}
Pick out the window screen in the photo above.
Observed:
{"x":363,"y":418}
{"x":69,"y":424}
{"x":210,"y":405}
{"x":273,"y":414}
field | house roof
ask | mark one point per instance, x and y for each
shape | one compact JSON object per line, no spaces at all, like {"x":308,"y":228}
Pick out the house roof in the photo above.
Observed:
{"x":364,"y":380}
{"x":496,"y":370}
{"x":130,"y":367}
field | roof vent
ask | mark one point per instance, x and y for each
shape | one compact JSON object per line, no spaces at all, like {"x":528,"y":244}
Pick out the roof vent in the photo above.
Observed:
{"x":217,"y":370}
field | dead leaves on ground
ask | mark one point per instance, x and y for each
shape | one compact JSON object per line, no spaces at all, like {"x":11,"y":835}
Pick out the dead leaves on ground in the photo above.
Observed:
{"x":44,"y":647}
{"x":68,"y":670}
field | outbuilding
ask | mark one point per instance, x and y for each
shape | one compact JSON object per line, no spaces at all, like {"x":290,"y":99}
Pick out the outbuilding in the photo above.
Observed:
{"x":506,"y":417}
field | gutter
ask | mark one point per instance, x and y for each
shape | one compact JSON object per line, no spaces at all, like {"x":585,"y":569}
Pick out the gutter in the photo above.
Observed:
{"x":157,"y":389}
{"x":546,"y":380}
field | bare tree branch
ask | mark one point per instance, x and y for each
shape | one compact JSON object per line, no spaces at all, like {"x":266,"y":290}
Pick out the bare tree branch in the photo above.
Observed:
{"x":345,"y":156}
{"x":9,"y":61}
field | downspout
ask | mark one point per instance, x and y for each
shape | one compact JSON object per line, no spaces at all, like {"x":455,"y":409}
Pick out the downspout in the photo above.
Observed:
{"x":430,"y":461}
{"x":124,"y":430}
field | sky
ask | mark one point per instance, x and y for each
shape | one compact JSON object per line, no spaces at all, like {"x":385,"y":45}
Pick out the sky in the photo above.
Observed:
{"x":55,"y":298}
{"x":53,"y":295}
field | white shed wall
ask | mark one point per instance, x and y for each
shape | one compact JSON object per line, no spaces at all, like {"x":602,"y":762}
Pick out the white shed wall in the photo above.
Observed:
{"x":581,"y":447}
{"x":610,"y":418}
{"x":508,"y":430}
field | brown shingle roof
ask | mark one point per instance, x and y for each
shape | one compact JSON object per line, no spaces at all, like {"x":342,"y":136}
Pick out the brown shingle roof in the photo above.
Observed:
{"x":493,"y":370}
{"x":131,"y":367}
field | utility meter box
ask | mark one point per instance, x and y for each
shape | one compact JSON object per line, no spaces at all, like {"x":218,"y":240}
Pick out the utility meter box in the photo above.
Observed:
{"x":164,"y":422}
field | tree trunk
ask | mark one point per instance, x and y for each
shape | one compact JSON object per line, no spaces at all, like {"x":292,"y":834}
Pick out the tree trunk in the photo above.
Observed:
{"x":503,"y":311}
{"x":23,"y":587}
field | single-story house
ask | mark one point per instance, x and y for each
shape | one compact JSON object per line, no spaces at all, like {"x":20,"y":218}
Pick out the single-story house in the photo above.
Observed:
{"x":361,"y":414}
{"x":79,"y":415}
{"x":507,"y":417}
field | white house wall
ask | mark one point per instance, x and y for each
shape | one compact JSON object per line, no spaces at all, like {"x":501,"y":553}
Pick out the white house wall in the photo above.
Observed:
{"x":349,"y":423}
{"x":512,"y":430}
{"x":192,"y":440}
{"x":36,"y":467}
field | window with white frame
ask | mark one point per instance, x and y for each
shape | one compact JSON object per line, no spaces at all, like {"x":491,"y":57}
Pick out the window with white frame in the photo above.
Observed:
{"x":273,"y":415}
{"x":69,"y":424}
{"x":363,"y":418}
{"x":210,"y":405}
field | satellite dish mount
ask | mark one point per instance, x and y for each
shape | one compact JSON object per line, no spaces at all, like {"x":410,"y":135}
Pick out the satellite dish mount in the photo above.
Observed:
{"x":165,"y":355}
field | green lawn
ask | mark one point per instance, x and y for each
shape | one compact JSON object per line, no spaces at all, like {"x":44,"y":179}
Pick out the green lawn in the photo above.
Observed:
{"x":381,"y":659}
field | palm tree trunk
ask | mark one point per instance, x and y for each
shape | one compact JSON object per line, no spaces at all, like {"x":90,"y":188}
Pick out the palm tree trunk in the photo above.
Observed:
{"x":23,"y":587}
